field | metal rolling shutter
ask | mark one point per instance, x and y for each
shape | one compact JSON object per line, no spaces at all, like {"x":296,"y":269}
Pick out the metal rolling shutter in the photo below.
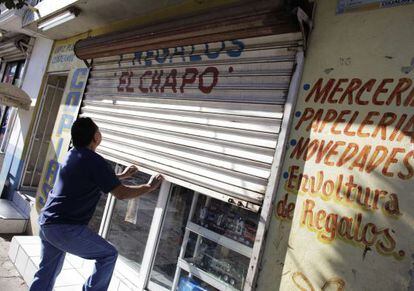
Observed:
{"x":14,"y":49}
{"x":219,"y":142}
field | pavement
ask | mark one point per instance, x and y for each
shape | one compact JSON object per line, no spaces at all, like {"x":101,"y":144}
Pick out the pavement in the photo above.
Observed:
{"x":10,"y":279}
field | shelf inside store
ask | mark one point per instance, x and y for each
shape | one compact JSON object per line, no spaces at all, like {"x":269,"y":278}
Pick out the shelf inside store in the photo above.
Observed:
{"x":204,"y":276}
{"x":220,"y":239}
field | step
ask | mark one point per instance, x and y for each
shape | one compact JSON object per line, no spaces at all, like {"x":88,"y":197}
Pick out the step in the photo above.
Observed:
{"x":11,"y":218}
{"x":23,"y":199}
{"x":24,"y":253}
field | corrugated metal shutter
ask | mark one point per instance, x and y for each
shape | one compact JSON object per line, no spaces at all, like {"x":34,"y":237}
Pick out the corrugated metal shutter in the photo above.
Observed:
{"x":14,"y":49}
{"x":207,"y":115}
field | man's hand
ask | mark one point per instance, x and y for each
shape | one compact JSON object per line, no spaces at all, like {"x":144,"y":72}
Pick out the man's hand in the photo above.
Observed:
{"x":155,"y":181}
{"x":129,"y":192}
{"x":128,"y":172}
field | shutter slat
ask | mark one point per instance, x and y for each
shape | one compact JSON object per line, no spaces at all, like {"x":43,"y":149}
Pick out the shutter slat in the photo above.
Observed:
{"x":252,"y":68}
{"x":243,"y":109}
{"x":255,"y":153}
{"x":240,"y":165}
{"x":218,"y":185}
{"x":271,"y":97}
{"x":180,"y":63}
{"x":227,"y":121}
{"x":188,"y":132}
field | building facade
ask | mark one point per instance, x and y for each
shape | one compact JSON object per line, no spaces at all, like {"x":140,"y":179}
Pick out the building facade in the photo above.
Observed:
{"x":24,"y":58}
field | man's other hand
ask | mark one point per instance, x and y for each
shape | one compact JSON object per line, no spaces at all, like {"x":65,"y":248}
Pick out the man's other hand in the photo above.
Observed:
{"x":128,"y":172}
{"x":129,"y":192}
{"x":155,"y":181}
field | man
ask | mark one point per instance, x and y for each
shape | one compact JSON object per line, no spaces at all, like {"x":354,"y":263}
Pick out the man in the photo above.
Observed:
{"x":82,"y":177}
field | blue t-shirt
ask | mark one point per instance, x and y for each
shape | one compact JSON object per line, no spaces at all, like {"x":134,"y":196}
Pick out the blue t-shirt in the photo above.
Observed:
{"x":81,"y":179}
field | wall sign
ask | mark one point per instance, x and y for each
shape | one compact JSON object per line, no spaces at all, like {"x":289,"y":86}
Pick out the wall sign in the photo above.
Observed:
{"x":62,"y":58}
{"x":371,"y":135}
{"x":359,"y":5}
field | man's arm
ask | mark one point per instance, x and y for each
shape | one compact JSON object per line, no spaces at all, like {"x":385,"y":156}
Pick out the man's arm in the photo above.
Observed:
{"x":128,"y":192}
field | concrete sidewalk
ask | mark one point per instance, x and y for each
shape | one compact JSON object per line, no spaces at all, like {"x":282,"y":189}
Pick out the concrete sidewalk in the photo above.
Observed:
{"x":10,"y":279}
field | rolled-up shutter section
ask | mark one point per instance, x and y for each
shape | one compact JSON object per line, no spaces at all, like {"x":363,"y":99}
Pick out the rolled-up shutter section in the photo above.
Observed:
{"x":14,"y":49}
{"x":207,"y":115}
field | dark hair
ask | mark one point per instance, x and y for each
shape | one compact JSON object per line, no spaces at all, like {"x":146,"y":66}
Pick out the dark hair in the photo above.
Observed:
{"x":83,"y":131}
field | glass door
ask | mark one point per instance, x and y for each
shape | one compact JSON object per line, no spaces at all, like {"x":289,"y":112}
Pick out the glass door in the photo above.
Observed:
{"x":130,"y":225}
{"x":126,"y":224}
{"x":171,"y":237}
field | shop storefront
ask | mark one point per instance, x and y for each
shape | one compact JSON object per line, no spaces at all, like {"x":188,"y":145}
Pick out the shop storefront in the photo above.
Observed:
{"x":209,"y":103}
{"x":208,"y":106}
{"x":13,"y":53}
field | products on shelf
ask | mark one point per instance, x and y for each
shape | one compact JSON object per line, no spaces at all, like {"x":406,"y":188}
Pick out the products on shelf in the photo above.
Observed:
{"x":225,"y":261}
{"x":226,"y":221}
{"x":226,"y":268}
{"x":189,"y":284}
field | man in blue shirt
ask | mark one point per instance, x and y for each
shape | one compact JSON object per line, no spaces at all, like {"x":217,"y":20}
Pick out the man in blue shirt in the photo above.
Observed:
{"x":82,"y":177}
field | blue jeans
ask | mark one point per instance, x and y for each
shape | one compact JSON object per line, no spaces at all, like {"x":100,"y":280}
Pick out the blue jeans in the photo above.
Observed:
{"x":59,"y":239}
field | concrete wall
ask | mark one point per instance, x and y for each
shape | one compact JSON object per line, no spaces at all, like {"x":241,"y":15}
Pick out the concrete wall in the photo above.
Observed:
{"x":36,"y":67}
{"x":343,"y":216}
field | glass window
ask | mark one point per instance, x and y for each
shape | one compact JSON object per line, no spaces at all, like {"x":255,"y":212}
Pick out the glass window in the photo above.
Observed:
{"x":130,"y":224}
{"x":95,"y":222}
{"x":12,"y":75}
{"x":4,"y":124}
{"x":10,"y":72}
{"x":209,"y":251}
{"x":226,"y":219}
{"x":172,"y":234}
{"x":225,"y":237}
{"x":222,"y":264}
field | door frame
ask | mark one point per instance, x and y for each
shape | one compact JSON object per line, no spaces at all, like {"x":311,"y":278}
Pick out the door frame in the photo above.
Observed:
{"x":38,"y":112}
